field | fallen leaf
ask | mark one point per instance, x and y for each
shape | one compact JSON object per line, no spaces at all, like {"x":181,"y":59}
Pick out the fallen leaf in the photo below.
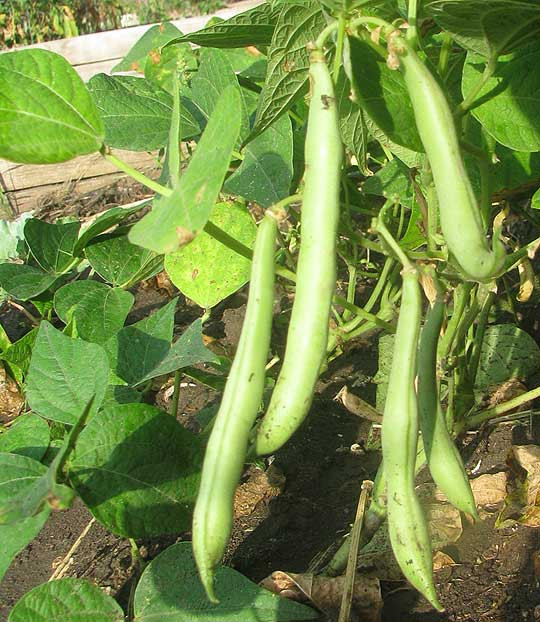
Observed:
{"x":11,"y":400}
{"x":489,"y":490}
{"x":442,"y":560}
{"x":326,"y":592}
{"x":262,"y":487}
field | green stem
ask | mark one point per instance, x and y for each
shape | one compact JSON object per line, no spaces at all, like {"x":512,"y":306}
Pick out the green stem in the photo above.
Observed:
{"x":176,"y":393}
{"x":320,"y":42}
{"x":371,"y":20}
{"x":444,"y":55}
{"x":461,"y":297}
{"x":389,"y":238}
{"x":174,"y":149}
{"x":467,"y":103}
{"x":479,"y":335}
{"x":136,"y":175}
{"x":475,"y":420}
{"x":339,"y":46}
{"x":412,"y":18}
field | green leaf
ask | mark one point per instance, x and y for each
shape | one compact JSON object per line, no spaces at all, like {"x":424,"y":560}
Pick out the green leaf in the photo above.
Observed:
{"x":508,"y":105}
{"x":137,"y":469}
{"x":98,"y":310}
{"x":52,"y":244}
{"x":105,"y":221}
{"x":488,"y":28}
{"x":382,"y":93}
{"x":121,"y":263}
{"x":153,"y":39}
{"x":207,"y":271}
{"x":354,"y":133}
{"x":507,"y":352}
{"x":170,"y":589}
{"x":43,"y":97}
{"x":392,"y":180}
{"x":64,"y":374}
{"x":120,"y":394}
{"x":24,"y":282}
{"x":12,"y":238}
{"x":161,"y":66}
{"x":381,"y":378}
{"x":18,"y":355}
{"x":139,"y":348}
{"x":535,"y":201}
{"x":17,"y":536}
{"x":69,"y":600}
{"x":252,"y":27}
{"x":177,"y":219}
{"x":28,"y":436}
{"x":136,"y":113}
{"x":214,"y":77}
{"x":188,"y":350}
{"x":265,"y":174}
{"x":288,"y":61}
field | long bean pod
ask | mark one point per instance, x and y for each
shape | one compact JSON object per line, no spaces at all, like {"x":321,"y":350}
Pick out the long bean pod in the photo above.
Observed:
{"x":406,"y":522}
{"x":444,"y":461}
{"x":460,"y":216}
{"x":227,"y":445}
{"x":316,"y":272}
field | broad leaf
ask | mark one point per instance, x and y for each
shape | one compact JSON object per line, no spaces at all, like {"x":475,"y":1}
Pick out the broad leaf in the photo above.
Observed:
{"x":170,"y":589}
{"x":24,"y":282}
{"x":354,"y":133}
{"x":51,"y":245}
{"x":265,"y":174}
{"x":189,"y":349}
{"x":175,"y":220}
{"x":43,"y":97}
{"x":121,"y":263}
{"x":392,"y":180}
{"x":507,"y":352}
{"x":153,"y":39}
{"x":105,"y":221}
{"x":488,"y":28}
{"x":28,"y":436}
{"x":98,"y":311}
{"x":17,"y":356}
{"x":207,"y":271}
{"x":137,"y":469}
{"x":508,"y":105}
{"x":139,"y":348}
{"x":382,"y":93}
{"x":288,"y":61}
{"x":161,"y":65}
{"x":16,"y":537}
{"x":252,"y":27}
{"x":69,"y":600}
{"x":136,"y":113}
{"x":64,"y":374}
{"x":117,"y":394}
{"x":215,"y":75}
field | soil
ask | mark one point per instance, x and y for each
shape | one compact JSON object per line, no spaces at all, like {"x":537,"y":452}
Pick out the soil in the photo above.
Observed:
{"x":287,"y":521}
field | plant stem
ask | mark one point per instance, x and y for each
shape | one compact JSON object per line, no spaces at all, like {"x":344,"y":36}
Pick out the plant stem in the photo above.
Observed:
{"x":136,"y":175}
{"x":467,"y":103}
{"x":412,"y":31}
{"x":176,"y":393}
{"x":389,"y":239}
{"x":174,"y":148}
{"x":475,"y":420}
{"x":461,"y":296}
{"x":339,"y":46}
{"x":444,"y":55}
{"x":479,"y":334}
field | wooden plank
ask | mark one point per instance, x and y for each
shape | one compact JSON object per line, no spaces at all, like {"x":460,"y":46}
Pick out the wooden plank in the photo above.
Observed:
{"x":28,"y":199}
{"x":24,"y":176}
{"x":114,"y":44}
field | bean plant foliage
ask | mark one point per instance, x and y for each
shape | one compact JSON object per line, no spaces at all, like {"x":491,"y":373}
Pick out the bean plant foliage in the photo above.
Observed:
{"x":432,"y":149}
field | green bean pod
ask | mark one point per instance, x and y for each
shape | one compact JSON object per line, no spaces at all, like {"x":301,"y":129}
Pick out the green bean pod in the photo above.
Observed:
{"x":227,"y":445}
{"x":406,"y":521}
{"x":316,"y":272}
{"x":461,"y":220}
{"x":444,"y":461}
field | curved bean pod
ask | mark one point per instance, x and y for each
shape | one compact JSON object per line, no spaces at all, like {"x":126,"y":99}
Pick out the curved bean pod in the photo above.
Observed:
{"x":316,"y":273}
{"x":406,"y":522}
{"x":227,"y":445}
{"x":461,"y":221}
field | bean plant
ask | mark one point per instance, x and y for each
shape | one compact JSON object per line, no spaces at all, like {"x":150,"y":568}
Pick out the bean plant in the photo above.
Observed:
{"x":372,"y":157}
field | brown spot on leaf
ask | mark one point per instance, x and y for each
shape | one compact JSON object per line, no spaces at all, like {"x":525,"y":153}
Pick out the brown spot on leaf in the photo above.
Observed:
{"x":135,"y":66}
{"x":155,"y":57}
{"x":200,"y":194}
{"x":185,"y":236}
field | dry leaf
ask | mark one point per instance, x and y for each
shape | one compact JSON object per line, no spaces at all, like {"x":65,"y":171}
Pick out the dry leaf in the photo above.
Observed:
{"x":326,"y":592}
{"x":489,"y":490}
{"x":442,"y":560}
{"x":528,"y":458}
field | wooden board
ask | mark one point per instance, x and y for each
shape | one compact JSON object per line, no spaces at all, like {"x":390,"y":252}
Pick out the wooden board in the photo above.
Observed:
{"x":25,"y":185}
